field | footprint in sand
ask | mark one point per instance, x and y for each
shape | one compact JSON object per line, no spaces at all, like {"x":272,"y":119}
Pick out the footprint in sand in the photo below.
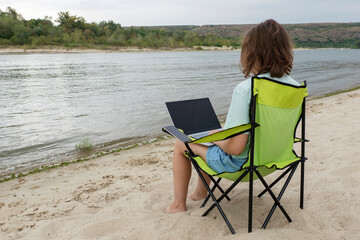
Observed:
{"x":157,"y":201}
{"x":149,"y":160}
{"x":41,"y":216}
{"x":30,"y":212}
{"x":316,"y":107}
{"x":14,"y":204}
{"x":342,"y":223}
{"x":124,"y":177}
{"x":20,"y":182}
{"x":353,"y":95}
{"x":93,"y":194}
{"x":108,"y":177}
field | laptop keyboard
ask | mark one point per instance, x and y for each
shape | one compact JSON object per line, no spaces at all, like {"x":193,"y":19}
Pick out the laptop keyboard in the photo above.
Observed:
{"x":199,"y":135}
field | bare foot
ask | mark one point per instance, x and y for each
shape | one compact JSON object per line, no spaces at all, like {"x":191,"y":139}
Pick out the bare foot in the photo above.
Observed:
{"x":197,"y":196}
{"x":176,"y":208}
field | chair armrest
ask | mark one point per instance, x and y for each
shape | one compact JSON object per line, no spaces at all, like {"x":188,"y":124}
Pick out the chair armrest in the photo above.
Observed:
{"x":175,"y":132}
{"x":297,"y":140}
{"x":225,"y":134}
{"x":218,"y":136}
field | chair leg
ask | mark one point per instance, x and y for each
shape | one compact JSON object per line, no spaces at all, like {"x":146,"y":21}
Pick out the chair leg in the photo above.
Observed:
{"x":276,"y":181}
{"x":280,"y":196}
{"x":214,"y":198}
{"x":272,"y":195}
{"x":226,"y":193}
{"x":212,"y":190}
{"x":251,"y":185}
{"x":216,"y":185}
{"x":302,"y":184}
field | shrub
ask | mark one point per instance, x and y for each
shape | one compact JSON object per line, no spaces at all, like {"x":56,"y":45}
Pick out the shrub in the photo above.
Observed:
{"x":84,"y":145}
{"x":5,"y":42}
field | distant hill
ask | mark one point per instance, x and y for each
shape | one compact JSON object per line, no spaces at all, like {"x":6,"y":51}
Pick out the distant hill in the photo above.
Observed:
{"x":302,"y":35}
{"x":74,"y":31}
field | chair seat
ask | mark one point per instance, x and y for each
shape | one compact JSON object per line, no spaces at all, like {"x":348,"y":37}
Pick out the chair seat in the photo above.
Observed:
{"x":264,"y":170}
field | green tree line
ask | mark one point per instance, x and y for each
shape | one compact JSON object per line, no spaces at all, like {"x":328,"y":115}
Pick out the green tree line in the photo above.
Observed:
{"x":75,"y":31}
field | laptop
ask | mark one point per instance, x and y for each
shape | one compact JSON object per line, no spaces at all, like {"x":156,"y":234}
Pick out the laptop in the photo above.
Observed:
{"x":196,"y":117}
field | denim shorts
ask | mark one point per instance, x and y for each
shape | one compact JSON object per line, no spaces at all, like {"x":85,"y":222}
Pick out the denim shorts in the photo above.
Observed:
{"x":220,"y":161}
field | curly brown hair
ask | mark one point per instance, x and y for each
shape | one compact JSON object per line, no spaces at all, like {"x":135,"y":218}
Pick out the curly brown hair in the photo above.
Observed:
{"x":266,"y":48}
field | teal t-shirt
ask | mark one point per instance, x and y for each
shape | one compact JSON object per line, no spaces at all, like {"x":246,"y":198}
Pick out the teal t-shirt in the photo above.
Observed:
{"x":240,"y":102}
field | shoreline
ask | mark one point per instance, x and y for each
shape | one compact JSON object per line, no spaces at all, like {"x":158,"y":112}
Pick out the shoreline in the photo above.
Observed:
{"x":110,"y":49}
{"x":76,"y":156}
{"x":111,"y":147}
{"x":98,"y":150}
{"x":62,"y":50}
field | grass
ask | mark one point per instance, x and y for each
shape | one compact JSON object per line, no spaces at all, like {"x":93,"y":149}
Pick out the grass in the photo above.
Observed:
{"x":337,"y":92}
{"x":342,"y":91}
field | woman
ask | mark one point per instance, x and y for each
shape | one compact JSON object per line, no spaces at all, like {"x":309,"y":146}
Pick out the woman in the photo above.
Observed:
{"x":266,"y":52}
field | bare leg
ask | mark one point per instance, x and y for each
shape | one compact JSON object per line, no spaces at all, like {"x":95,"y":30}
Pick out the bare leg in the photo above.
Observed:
{"x":181,"y":177}
{"x":200,"y":191}
{"x":182,"y":174}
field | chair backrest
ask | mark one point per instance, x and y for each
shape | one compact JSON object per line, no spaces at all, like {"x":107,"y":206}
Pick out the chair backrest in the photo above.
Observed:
{"x":278,"y":109}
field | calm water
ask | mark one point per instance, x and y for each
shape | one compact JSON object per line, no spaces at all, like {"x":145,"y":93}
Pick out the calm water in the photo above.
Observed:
{"x":50,"y":102}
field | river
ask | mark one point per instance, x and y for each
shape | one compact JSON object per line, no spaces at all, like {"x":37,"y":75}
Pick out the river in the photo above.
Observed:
{"x":50,"y":102}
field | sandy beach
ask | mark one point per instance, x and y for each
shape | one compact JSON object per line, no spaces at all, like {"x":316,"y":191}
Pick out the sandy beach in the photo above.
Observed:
{"x":123,"y":195}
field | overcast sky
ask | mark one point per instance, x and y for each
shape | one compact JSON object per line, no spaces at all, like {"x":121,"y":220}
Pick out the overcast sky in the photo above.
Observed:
{"x":191,"y":12}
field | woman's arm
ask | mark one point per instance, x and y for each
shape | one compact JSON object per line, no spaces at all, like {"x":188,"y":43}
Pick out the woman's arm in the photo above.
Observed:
{"x":234,"y":145}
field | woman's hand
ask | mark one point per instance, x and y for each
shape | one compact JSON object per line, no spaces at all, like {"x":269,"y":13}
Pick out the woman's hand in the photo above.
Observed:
{"x":214,"y":131}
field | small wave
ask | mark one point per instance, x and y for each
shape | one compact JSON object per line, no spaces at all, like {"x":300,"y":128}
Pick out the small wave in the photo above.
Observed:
{"x":81,"y":115}
{"x":12,"y":126}
{"x":23,"y":150}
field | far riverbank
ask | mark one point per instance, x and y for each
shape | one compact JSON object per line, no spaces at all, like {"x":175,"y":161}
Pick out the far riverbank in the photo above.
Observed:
{"x":111,"y":49}
{"x":105,"y":49}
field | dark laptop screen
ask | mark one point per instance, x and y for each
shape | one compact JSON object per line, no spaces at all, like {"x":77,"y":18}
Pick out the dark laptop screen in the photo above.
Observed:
{"x":193,"y":116}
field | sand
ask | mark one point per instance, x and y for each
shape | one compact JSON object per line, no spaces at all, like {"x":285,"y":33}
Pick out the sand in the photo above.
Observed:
{"x":124,"y":195}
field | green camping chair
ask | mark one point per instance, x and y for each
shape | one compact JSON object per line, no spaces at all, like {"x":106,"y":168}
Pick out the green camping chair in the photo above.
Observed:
{"x":275,"y":112}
